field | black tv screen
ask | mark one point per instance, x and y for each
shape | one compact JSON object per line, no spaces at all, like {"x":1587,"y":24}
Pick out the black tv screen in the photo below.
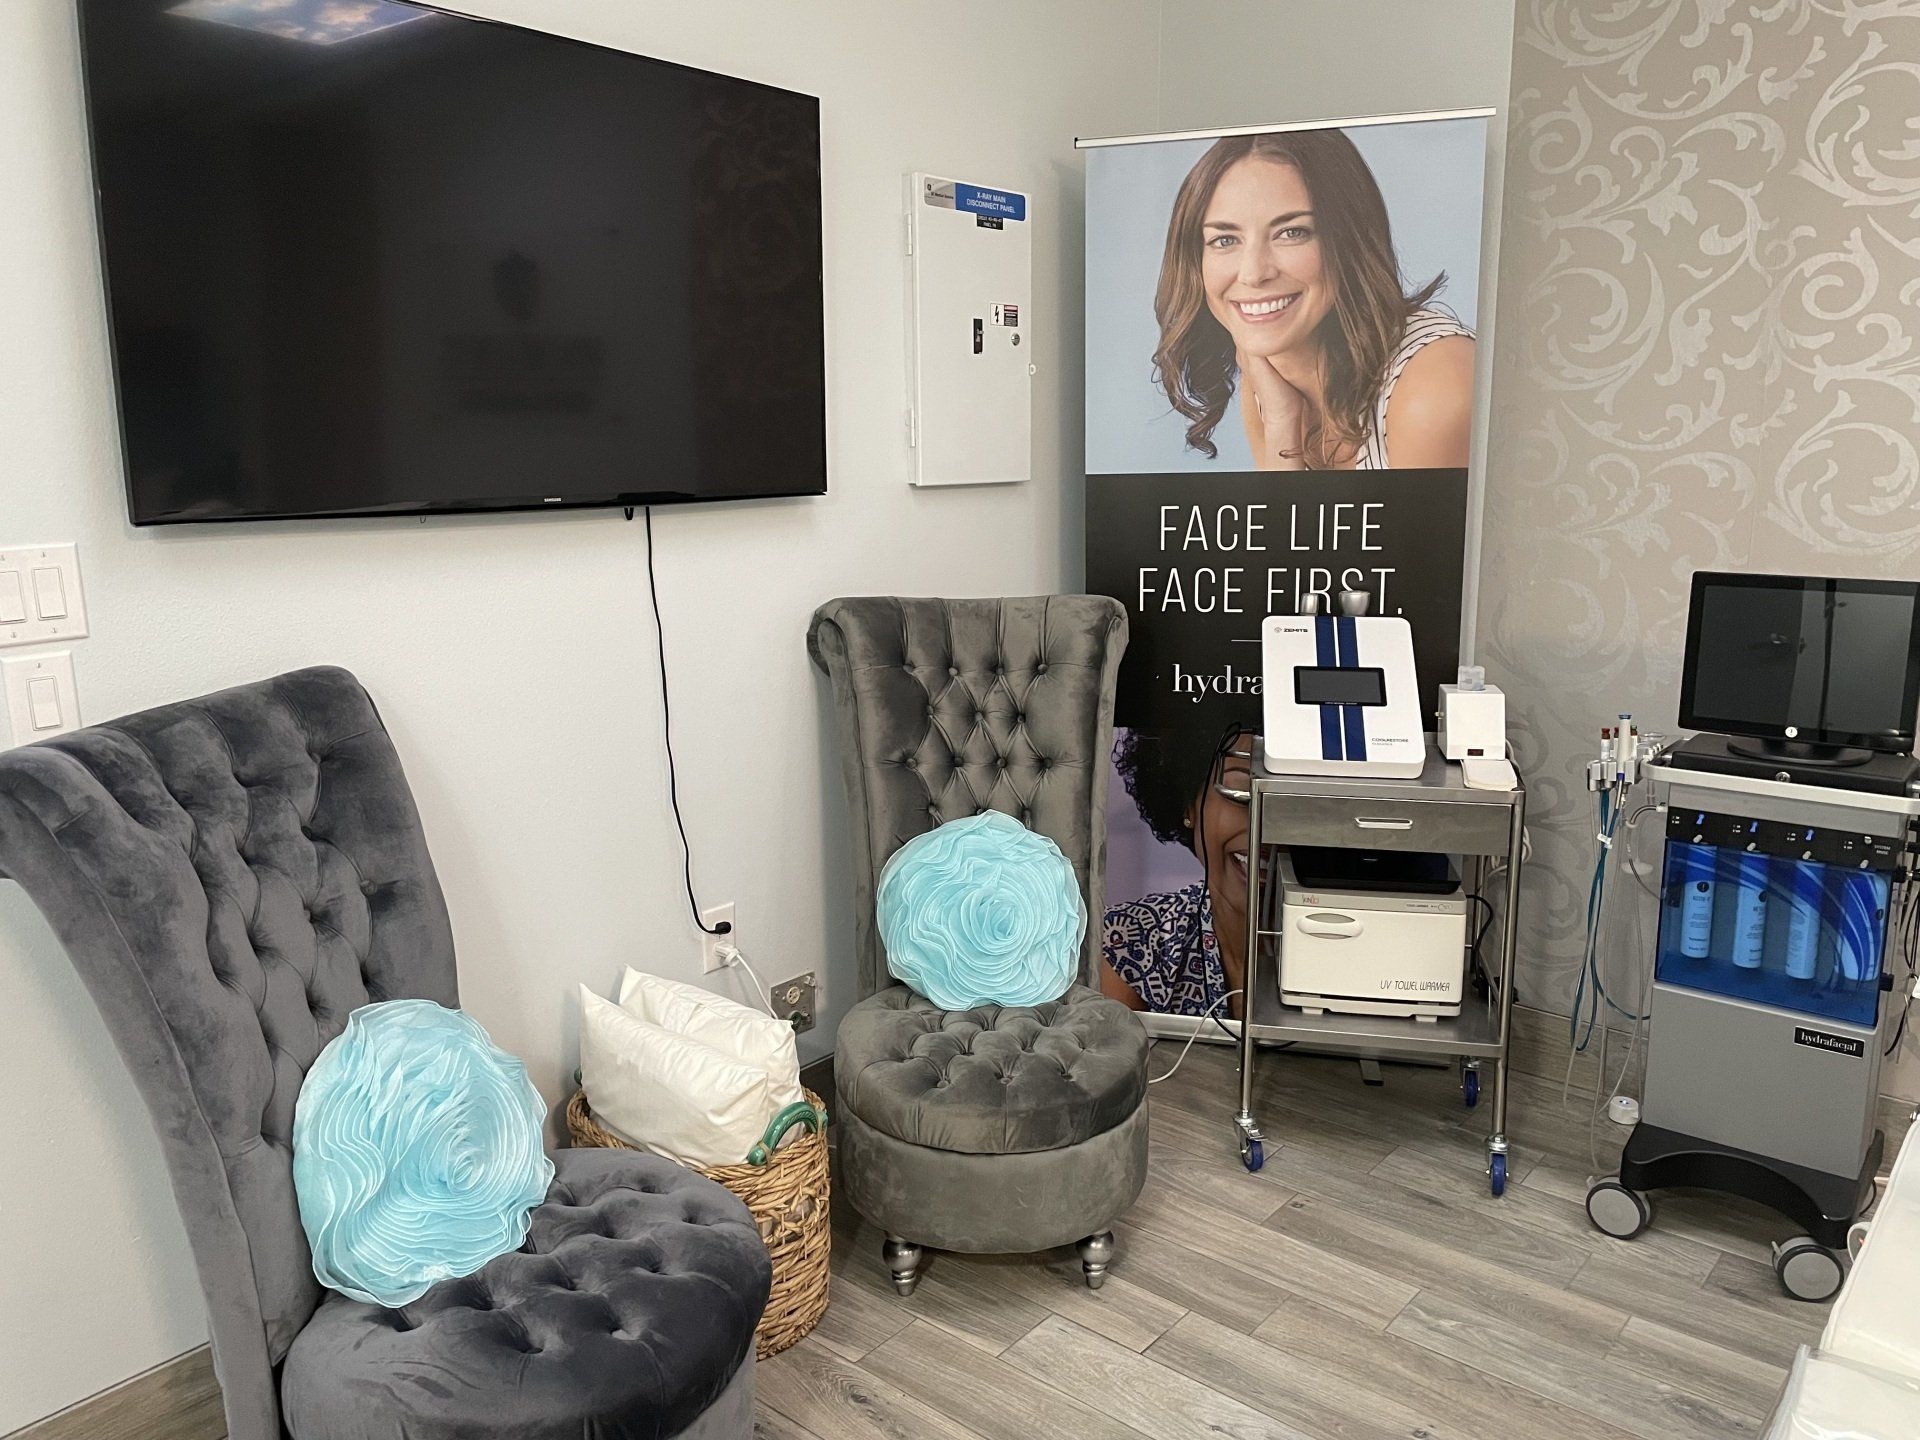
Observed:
{"x":369,"y":257}
{"x":1820,"y":661}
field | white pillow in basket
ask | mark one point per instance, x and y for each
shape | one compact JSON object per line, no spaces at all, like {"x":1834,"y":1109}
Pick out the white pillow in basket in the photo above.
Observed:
{"x":726,"y":1025}
{"x":669,"y":1093}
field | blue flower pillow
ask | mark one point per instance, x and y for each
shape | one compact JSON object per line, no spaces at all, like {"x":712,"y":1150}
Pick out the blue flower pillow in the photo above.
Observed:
{"x":982,"y":911}
{"x":417,"y":1152}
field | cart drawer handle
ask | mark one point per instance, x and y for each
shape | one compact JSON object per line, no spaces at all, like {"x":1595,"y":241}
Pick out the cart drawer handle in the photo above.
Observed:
{"x":1371,"y":823}
{"x":1329,"y":925}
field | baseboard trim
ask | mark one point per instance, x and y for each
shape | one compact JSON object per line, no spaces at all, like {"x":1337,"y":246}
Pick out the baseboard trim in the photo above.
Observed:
{"x":176,"y":1400}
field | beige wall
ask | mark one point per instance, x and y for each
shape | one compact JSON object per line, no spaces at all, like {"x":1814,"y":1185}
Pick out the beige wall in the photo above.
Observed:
{"x":1710,"y":358}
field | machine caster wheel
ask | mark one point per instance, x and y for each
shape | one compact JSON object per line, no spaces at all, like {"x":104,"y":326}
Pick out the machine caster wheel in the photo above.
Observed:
{"x":1808,"y":1271}
{"x":1251,"y":1155}
{"x":1497,"y":1174}
{"x":1617,"y":1211}
{"x":1470,"y":1087}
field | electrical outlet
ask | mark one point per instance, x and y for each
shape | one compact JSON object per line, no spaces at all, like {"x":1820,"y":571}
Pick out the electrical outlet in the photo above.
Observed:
{"x":793,"y":1001}
{"x":713,"y":917}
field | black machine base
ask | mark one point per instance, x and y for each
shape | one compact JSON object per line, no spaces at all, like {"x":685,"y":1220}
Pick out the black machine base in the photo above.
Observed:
{"x":1872,"y":772}
{"x":1822,"y":1205}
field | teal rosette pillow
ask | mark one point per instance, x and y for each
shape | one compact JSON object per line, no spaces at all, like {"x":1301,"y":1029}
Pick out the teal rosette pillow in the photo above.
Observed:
{"x":417,"y":1153}
{"x":982,"y":911}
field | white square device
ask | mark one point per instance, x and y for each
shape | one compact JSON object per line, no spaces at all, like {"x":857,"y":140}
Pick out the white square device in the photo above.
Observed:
{"x":1340,"y":696}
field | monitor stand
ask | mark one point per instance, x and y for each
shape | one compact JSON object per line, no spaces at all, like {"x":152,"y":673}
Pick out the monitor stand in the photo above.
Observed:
{"x":1801,"y":752}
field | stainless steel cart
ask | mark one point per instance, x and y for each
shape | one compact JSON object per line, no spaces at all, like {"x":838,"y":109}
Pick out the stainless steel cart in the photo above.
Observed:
{"x":1436,"y":812}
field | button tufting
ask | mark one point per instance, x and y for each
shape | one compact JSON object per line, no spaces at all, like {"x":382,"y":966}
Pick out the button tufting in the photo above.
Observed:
{"x":1041,"y":668}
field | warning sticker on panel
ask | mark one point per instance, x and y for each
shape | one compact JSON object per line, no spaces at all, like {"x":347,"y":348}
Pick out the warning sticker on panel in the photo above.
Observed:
{"x":1006,"y":314}
{"x":974,"y":199}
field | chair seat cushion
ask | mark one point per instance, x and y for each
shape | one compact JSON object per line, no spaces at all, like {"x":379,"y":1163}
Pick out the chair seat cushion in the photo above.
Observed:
{"x":623,"y":1317}
{"x":995,"y":1080}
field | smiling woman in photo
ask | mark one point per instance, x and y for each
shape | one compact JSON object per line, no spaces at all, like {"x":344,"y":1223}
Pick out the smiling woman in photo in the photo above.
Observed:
{"x":1280,"y":281}
{"x":1181,"y":951}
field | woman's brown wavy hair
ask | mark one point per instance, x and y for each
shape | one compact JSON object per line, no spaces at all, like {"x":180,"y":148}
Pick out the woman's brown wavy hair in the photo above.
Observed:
{"x":1195,"y":361}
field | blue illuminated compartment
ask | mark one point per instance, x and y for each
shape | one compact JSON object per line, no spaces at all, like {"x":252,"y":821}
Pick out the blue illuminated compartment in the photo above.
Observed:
{"x":1796,"y":934}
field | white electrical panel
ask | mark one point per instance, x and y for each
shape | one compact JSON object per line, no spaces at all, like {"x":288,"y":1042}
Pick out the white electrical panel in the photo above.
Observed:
{"x":970,"y":335}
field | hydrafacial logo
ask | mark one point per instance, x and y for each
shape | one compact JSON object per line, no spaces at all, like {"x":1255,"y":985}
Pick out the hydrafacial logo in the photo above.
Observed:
{"x":1834,"y":1044}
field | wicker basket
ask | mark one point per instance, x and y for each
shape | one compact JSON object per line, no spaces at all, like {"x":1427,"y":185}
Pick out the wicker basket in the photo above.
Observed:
{"x":787,"y":1192}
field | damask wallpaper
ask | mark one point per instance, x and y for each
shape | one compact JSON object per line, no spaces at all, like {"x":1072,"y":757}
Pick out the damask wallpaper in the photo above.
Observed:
{"x":1709,"y":358}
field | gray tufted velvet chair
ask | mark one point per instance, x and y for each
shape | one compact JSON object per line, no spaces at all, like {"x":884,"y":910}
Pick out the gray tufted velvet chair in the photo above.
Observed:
{"x":993,"y":1130}
{"x":232,"y":876}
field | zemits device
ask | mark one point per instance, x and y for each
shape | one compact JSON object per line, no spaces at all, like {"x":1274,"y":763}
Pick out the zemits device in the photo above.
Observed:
{"x":1473,"y":723}
{"x":1370,"y":951}
{"x":1340,"y":696}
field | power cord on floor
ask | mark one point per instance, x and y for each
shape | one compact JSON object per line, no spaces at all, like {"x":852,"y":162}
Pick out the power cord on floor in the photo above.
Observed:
{"x":1181,"y":1059}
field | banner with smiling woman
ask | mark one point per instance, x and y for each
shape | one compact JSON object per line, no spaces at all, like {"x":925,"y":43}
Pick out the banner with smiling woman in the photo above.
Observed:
{"x":1281,"y":346}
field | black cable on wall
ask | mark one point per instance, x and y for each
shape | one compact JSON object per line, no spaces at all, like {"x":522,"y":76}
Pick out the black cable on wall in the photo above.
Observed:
{"x":666,"y":730}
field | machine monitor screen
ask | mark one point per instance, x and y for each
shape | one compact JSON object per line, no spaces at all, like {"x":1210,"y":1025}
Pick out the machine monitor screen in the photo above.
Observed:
{"x":1818,"y":661}
{"x":1339,"y":685}
{"x":381,"y":258}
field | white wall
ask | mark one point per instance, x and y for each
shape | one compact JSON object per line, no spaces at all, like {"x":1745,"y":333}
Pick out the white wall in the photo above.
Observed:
{"x":512,"y":657}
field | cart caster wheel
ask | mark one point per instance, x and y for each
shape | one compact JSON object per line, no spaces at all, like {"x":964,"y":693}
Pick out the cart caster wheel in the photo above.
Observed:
{"x":1470,"y":1087}
{"x":1251,"y":1155}
{"x":1497,"y":1174}
{"x":1808,"y":1271}
{"x":1616,"y":1210}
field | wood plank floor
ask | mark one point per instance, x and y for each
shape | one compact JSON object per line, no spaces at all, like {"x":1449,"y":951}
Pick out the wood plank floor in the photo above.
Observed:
{"x":1364,"y":1285}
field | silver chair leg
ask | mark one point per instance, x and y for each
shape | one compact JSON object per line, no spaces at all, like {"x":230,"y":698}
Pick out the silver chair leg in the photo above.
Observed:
{"x":1095,"y":1252}
{"x":904,"y":1259}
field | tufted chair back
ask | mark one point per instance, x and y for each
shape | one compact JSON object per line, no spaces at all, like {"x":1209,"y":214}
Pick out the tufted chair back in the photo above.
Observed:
{"x":947,"y":708}
{"x":232,"y":876}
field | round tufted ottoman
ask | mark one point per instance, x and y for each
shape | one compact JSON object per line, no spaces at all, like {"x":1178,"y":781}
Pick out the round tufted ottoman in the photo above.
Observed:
{"x":627,"y":1315}
{"x":991,"y":1131}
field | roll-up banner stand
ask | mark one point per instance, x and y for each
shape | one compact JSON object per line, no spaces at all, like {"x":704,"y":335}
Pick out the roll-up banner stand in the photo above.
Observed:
{"x":1280,"y":360}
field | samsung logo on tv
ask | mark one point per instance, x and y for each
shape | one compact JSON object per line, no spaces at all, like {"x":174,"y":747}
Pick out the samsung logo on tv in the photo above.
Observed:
{"x":1821,"y":1040}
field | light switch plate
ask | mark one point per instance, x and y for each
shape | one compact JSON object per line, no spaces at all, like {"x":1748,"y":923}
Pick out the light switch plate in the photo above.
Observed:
{"x":40,"y":596}
{"x":34,"y":710}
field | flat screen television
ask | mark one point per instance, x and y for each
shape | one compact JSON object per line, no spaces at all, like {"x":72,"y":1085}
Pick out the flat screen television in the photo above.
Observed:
{"x":371,"y":257}
{"x":1803,"y":664}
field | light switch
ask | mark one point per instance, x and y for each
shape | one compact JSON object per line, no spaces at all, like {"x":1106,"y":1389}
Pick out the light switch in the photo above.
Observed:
{"x":49,"y":595}
{"x":43,"y":703}
{"x":40,"y":595}
{"x":41,"y":697}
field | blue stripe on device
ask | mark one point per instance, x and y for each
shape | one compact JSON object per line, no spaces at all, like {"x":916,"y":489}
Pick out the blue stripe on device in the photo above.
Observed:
{"x":1327,"y":656}
{"x":1352,"y":720}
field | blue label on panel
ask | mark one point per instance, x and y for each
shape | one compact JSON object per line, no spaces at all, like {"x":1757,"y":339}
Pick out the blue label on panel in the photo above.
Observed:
{"x":1005,"y":203}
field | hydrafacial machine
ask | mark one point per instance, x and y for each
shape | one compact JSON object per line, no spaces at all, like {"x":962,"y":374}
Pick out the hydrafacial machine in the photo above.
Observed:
{"x":1784,"y":959}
